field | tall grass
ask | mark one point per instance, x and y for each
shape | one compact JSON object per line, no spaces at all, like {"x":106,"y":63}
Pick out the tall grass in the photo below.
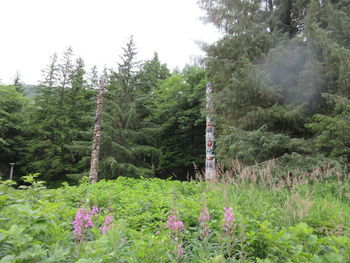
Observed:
{"x":320,"y":197}
{"x":278,"y":216}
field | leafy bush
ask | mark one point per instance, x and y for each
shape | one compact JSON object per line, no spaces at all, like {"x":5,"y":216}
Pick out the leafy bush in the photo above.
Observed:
{"x":306,"y":223}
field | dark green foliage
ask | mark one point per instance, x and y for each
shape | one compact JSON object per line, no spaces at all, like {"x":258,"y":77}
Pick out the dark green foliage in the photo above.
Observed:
{"x":61,"y":124}
{"x":308,"y":223}
{"x":138,"y":137}
{"x":333,"y":131}
{"x":179,"y":110}
{"x":151,"y":74}
{"x":80,"y":101}
{"x":258,"y":145}
{"x":128,"y":134}
{"x":275,"y":59}
{"x":49,"y":124}
{"x":13,"y":108}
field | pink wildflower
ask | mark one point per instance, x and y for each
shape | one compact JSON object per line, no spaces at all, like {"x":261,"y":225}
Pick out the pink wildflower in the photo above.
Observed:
{"x":180,"y":251}
{"x":106,"y":224}
{"x":94,"y":210}
{"x":175,"y":225}
{"x":78,"y":223}
{"x":83,"y":221}
{"x":229,"y":221}
{"x":203,"y":220}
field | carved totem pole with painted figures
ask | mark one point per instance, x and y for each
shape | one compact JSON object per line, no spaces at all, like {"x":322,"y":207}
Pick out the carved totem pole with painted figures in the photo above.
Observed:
{"x":210,"y":171}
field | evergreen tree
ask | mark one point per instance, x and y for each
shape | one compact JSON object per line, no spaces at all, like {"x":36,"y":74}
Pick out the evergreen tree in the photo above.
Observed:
{"x":65,"y":74}
{"x":17,"y":82}
{"x":275,"y":59}
{"x":48,"y":127}
{"x":79,"y":108}
{"x":179,"y":101}
{"x":13,"y":113}
{"x":60,"y":129}
{"x":128,"y":135}
{"x":50,"y":74}
{"x":151,"y":74}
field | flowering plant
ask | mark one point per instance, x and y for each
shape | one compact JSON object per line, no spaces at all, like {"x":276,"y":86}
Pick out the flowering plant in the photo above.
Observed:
{"x":203,"y":220}
{"x":229,"y":224}
{"x":83,"y":221}
{"x":176,"y":227}
{"x":106,"y":224}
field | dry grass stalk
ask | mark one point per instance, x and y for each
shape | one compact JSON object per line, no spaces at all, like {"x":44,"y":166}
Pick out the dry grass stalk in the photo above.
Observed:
{"x":265,"y":175}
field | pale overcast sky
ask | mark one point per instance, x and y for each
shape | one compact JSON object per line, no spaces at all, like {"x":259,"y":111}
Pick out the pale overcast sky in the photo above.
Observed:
{"x":32,"y":30}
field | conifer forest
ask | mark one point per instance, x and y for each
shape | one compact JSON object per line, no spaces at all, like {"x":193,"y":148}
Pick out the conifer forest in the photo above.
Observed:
{"x":111,"y":164}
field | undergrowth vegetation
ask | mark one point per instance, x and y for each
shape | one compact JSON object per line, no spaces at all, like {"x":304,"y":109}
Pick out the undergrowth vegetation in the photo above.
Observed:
{"x":248,"y":217}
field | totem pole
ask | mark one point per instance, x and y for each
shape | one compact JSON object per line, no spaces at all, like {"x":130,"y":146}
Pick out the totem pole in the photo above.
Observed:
{"x":209,"y":136}
{"x":95,"y":154}
{"x":11,"y":170}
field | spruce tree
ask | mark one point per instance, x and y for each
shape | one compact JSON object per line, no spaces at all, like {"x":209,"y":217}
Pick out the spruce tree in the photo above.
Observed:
{"x":48,"y":126}
{"x":179,"y":112}
{"x":14,"y":108}
{"x":151,"y":74}
{"x":79,"y":109}
{"x":269,"y":70}
{"x":17,"y":82}
{"x":61,"y":123}
{"x":127,"y":146}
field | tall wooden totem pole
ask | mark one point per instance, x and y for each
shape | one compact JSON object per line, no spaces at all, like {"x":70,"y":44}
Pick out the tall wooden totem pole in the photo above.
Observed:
{"x":210,"y":171}
{"x":95,"y":154}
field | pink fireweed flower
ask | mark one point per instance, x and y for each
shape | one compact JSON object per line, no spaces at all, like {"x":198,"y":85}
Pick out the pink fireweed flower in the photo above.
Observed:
{"x":204,"y":215}
{"x":180,"y":251}
{"x":106,"y":224}
{"x":94,"y":210}
{"x":228,"y":224}
{"x":83,"y":221}
{"x":203,"y":220}
{"x":175,"y":225}
{"x":78,"y":223}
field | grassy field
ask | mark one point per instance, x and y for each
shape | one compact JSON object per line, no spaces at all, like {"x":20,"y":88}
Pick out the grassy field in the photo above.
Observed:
{"x":252,"y":217}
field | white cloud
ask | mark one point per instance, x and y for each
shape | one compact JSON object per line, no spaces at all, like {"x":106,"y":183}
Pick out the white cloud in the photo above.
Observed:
{"x":96,"y":29}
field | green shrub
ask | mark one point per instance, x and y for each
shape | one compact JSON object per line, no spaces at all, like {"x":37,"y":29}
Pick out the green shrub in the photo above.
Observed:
{"x":306,"y":223}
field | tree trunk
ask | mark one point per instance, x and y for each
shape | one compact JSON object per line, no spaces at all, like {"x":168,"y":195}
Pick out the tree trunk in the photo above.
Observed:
{"x":210,"y":170}
{"x":95,"y":154}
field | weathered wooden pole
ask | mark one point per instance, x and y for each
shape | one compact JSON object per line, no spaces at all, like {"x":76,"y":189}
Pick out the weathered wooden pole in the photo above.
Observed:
{"x":210,"y":171}
{"x":95,"y":154}
{"x":11,"y":170}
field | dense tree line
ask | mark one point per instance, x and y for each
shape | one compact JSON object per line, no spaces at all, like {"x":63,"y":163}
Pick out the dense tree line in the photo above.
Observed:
{"x":281,"y":74}
{"x":151,"y":122}
{"x":281,"y":78}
